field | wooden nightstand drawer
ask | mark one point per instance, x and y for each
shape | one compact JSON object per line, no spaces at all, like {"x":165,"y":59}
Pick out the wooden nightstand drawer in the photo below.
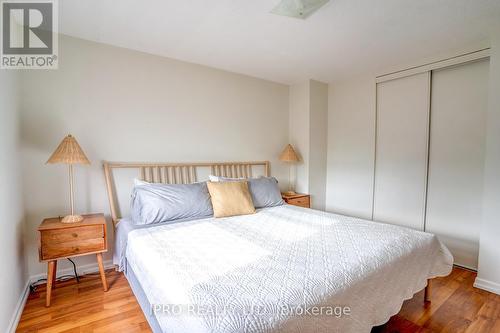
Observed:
{"x":72,"y":234}
{"x":73,"y":248}
{"x":302,"y":201}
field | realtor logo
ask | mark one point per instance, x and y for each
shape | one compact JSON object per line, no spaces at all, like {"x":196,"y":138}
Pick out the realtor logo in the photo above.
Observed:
{"x":29,"y":34}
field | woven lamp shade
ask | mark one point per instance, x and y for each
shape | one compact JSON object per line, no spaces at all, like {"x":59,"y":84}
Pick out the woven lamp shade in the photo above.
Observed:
{"x":289,"y":154}
{"x":68,"y":152}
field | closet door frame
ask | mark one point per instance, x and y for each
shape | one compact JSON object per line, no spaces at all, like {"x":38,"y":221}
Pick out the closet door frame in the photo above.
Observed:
{"x":429,"y":67}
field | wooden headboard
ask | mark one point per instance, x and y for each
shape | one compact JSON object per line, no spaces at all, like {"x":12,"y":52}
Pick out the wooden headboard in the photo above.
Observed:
{"x":176,"y":173}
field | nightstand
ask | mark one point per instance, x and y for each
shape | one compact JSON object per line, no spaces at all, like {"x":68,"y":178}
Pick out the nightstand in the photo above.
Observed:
{"x":297,"y":199}
{"x":65,"y":240}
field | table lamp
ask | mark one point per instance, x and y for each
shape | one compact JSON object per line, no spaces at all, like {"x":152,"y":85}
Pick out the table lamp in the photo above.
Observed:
{"x":69,"y":152}
{"x":289,"y":156}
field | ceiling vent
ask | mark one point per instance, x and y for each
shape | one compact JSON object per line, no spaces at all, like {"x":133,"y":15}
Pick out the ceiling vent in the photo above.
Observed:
{"x":298,"y":8}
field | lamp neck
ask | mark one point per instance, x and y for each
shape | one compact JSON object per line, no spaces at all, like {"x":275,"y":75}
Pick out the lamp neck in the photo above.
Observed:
{"x":71,"y":192}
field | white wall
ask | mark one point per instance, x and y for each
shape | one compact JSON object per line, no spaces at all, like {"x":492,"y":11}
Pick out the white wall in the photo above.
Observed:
{"x":12,"y":272}
{"x":351,"y":147}
{"x":299,"y":134}
{"x":489,"y":254}
{"x":318,"y":129}
{"x":308,"y":134}
{"x":124,"y":105}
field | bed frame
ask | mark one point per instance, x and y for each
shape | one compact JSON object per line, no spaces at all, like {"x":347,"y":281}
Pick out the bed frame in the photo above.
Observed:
{"x":186,"y":173}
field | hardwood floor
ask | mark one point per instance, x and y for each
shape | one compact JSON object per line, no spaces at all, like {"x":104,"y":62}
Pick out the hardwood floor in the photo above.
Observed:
{"x":456,"y":307}
{"x":84,"y":307}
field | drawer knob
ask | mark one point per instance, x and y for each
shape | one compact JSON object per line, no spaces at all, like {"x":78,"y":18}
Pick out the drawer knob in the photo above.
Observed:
{"x":74,"y":235}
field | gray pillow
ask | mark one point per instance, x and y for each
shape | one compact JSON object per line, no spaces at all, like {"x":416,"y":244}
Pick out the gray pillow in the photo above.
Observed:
{"x":157,"y":203}
{"x":265,"y":192}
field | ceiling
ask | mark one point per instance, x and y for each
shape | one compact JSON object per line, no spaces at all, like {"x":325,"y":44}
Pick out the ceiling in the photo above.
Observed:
{"x":344,"y":38}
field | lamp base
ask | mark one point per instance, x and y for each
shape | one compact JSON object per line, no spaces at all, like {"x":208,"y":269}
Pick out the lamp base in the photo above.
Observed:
{"x":290,"y":193}
{"x":72,"y":219}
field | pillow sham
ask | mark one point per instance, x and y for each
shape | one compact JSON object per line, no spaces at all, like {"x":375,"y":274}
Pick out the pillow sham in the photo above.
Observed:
{"x":213,"y":178}
{"x":157,"y":203}
{"x":230,"y":198}
{"x":264,"y":190}
{"x":138,"y":182}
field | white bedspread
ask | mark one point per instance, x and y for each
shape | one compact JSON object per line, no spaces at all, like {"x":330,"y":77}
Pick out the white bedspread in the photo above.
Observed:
{"x":259,"y":268}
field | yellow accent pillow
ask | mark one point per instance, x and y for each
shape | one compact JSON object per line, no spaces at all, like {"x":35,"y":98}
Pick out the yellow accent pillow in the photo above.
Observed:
{"x":230,"y":198}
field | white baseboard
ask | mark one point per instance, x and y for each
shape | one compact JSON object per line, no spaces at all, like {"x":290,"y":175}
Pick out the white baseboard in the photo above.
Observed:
{"x":487,"y":285}
{"x":19,"y":308}
{"x":82,"y":270}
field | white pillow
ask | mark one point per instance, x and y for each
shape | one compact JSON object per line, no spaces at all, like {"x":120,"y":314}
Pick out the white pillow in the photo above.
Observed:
{"x":223,"y":179}
{"x":138,"y":182}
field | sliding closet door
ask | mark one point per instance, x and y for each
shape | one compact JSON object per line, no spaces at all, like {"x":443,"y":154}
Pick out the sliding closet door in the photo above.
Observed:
{"x":402,"y":150}
{"x":457,"y":139}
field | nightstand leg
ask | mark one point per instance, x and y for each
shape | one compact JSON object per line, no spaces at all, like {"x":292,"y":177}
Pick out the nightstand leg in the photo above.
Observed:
{"x":101,"y":271}
{"x":50,"y":280}
{"x":54,"y":276}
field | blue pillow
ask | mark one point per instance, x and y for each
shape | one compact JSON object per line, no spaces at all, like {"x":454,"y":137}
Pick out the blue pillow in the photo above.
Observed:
{"x":265,"y":192}
{"x":157,"y":203}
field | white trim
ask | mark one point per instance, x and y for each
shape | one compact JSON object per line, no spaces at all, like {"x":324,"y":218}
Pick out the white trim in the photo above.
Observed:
{"x":82,"y":270}
{"x":487,"y":285}
{"x":460,"y":59}
{"x":16,"y":316}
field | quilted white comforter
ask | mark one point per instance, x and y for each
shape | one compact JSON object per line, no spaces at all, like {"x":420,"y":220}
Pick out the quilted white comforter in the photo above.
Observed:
{"x":267,"y":272}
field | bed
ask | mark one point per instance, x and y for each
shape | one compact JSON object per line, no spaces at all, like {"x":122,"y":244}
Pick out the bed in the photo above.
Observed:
{"x":283,"y":269}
